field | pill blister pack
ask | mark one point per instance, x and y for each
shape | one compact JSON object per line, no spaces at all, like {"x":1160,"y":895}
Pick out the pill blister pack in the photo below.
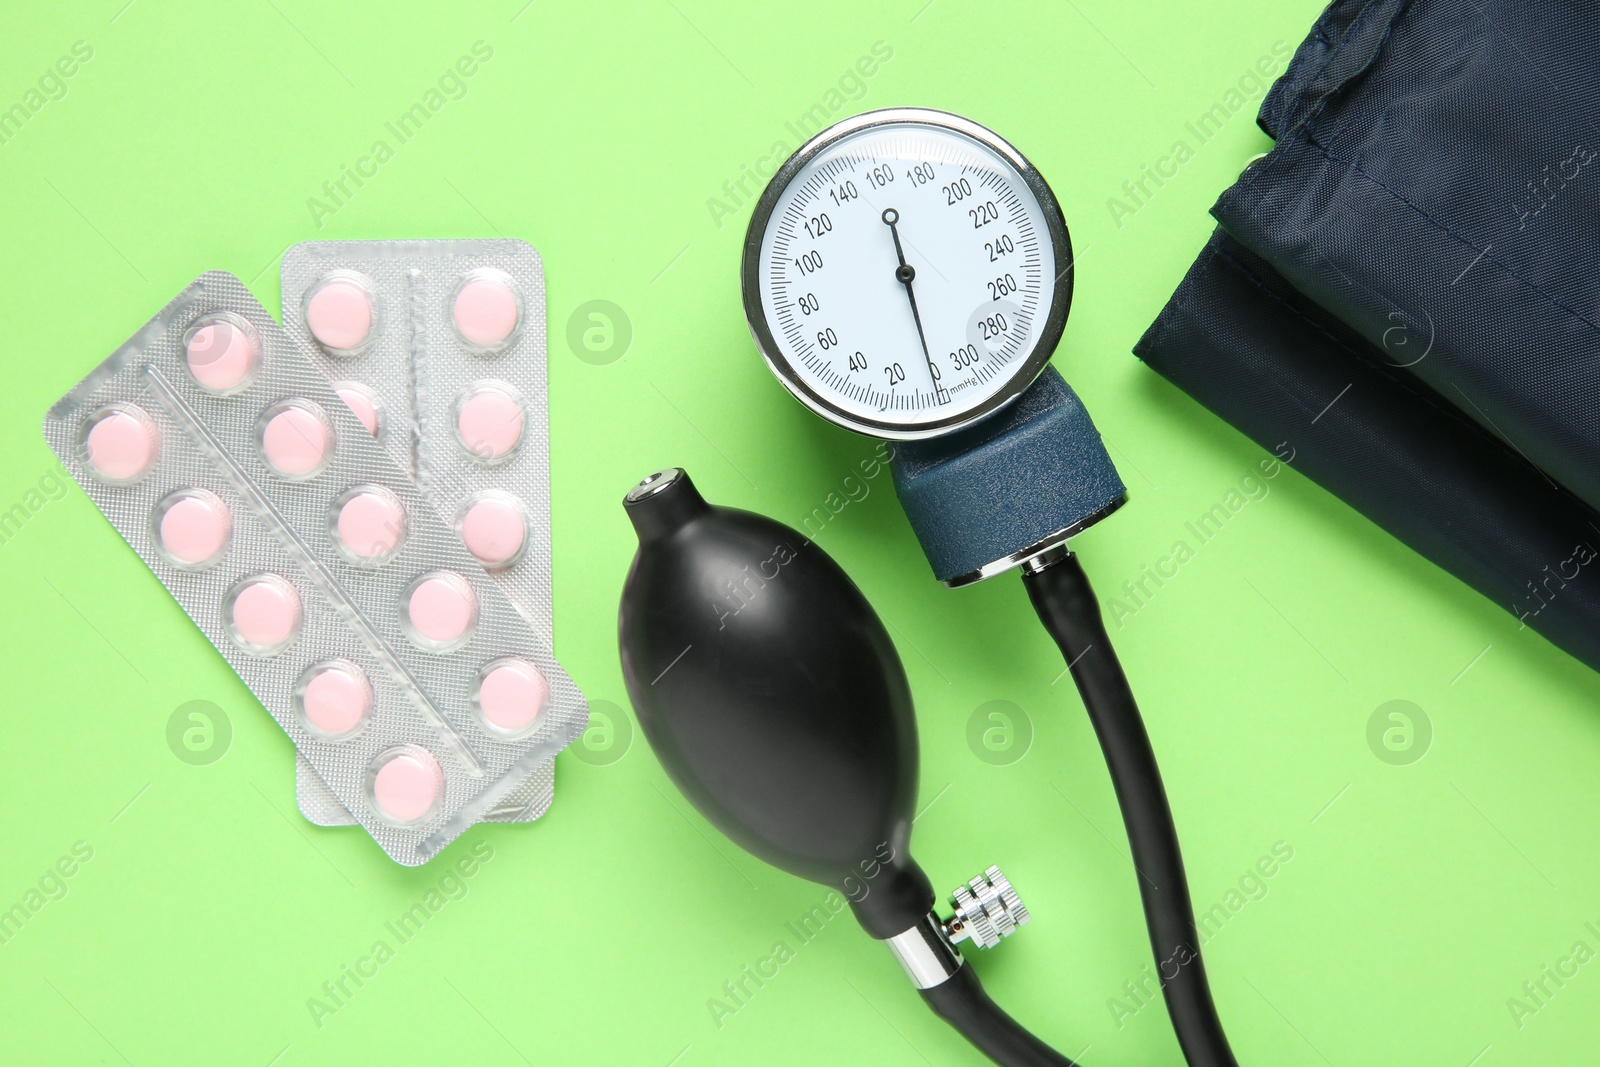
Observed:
{"x":438,"y":346}
{"x":408,"y":682}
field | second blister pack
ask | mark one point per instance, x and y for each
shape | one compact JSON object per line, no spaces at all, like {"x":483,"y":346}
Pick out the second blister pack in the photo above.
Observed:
{"x":439,"y":349}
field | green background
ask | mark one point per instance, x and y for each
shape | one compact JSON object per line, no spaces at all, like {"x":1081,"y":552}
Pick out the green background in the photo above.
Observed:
{"x":1421,"y":893}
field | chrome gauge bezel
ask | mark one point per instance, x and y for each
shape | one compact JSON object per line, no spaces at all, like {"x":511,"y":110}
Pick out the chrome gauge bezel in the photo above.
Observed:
{"x":1022,"y":375}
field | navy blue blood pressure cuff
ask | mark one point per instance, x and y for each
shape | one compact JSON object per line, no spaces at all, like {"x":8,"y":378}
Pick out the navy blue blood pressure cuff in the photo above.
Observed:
{"x":1406,"y":290}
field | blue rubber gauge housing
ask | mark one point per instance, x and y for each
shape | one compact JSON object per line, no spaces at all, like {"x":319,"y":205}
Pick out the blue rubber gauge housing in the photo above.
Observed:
{"x":985,"y":499}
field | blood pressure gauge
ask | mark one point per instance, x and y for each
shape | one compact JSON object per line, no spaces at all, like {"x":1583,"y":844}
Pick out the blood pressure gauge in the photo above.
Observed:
{"x":907,"y":273}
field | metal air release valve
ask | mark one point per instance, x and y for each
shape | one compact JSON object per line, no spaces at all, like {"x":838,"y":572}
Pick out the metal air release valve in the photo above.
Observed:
{"x":988,"y":910}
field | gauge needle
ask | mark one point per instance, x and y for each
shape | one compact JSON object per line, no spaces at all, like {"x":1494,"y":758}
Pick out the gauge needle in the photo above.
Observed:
{"x":905,"y":274}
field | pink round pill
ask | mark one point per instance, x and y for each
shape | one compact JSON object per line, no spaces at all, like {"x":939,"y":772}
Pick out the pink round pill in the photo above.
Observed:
{"x":195,"y":528}
{"x":371,"y":523}
{"x":442,"y":610}
{"x":294,"y":441}
{"x":362,"y":405}
{"x":494,"y":530}
{"x":336,"y":700}
{"x":489,"y":422}
{"x":407,"y":785}
{"x":511,"y":694}
{"x":486,"y":312}
{"x":120,"y":446}
{"x":265,"y":613}
{"x":220,"y":356}
{"x":339,"y":314}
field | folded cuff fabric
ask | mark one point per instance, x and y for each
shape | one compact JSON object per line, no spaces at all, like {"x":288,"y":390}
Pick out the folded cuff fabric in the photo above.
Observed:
{"x":1421,"y":251}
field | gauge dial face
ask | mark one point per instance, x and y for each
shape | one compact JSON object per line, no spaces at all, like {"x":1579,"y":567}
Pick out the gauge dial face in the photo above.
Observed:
{"x":907,"y":273}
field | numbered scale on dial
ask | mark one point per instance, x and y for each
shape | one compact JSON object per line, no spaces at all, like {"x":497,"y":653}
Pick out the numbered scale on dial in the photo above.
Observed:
{"x":907,"y":273}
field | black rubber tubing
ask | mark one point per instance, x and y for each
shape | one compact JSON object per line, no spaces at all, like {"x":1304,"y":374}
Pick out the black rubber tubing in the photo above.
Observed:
{"x":961,"y":1002}
{"x":1066,"y":604}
